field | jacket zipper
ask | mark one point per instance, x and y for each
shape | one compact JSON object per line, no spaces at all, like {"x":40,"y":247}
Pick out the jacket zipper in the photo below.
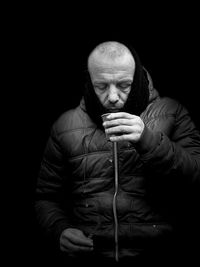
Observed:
{"x":115,"y":199}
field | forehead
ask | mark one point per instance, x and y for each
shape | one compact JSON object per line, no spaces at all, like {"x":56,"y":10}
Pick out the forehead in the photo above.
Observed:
{"x":100,"y":64}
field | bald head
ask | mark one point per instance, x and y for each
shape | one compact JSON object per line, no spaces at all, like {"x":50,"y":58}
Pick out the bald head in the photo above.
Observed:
{"x":110,"y":52}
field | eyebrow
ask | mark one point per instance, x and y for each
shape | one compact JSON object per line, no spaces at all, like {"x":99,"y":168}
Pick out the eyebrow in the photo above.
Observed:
{"x":120,"y":80}
{"x":125,"y":80}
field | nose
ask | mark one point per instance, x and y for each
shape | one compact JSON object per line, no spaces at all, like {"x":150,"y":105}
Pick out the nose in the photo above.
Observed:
{"x":113,"y":96}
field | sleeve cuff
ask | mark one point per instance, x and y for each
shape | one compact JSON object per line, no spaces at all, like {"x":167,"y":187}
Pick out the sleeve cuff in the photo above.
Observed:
{"x":148,"y":141}
{"x":60,"y":227}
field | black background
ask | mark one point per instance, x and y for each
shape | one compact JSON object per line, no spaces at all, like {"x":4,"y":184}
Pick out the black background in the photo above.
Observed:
{"x":47,"y":49}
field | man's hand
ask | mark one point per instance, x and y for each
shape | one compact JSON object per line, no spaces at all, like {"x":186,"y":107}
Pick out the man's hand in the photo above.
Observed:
{"x":122,"y":126}
{"x":73,"y":241}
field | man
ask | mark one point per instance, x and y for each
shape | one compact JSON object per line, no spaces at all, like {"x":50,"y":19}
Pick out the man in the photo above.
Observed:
{"x":129,"y":211}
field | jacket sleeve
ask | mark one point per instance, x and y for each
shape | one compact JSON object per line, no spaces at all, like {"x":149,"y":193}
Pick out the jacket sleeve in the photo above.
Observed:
{"x":178,"y":154}
{"x":49,"y":211}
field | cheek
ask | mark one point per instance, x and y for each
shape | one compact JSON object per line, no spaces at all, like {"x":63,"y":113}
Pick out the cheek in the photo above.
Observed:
{"x":124,"y":96}
{"x":101,"y":96}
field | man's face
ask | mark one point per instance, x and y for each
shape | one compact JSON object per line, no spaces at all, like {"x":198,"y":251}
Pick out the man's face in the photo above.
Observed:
{"x":112,"y":80}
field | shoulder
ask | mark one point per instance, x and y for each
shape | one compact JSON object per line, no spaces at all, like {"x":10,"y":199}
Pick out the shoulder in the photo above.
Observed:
{"x":162,"y":106}
{"x":167,"y":104}
{"x":71,"y":120}
{"x":68,"y":120}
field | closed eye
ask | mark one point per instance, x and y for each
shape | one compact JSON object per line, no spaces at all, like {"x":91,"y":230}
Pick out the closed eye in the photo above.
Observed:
{"x":124,"y":85}
{"x":100,"y":86}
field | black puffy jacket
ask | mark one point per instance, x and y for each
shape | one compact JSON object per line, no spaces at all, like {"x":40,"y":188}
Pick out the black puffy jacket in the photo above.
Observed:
{"x":76,"y":185}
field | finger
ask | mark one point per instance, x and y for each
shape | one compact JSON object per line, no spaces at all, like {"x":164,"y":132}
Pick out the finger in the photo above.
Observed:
{"x":125,"y":137}
{"x":78,"y":238}
{"x":70,"y":247}
{"x":121,"y":130}
{"x":118,"y":115}
{"x":116,"y":122}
